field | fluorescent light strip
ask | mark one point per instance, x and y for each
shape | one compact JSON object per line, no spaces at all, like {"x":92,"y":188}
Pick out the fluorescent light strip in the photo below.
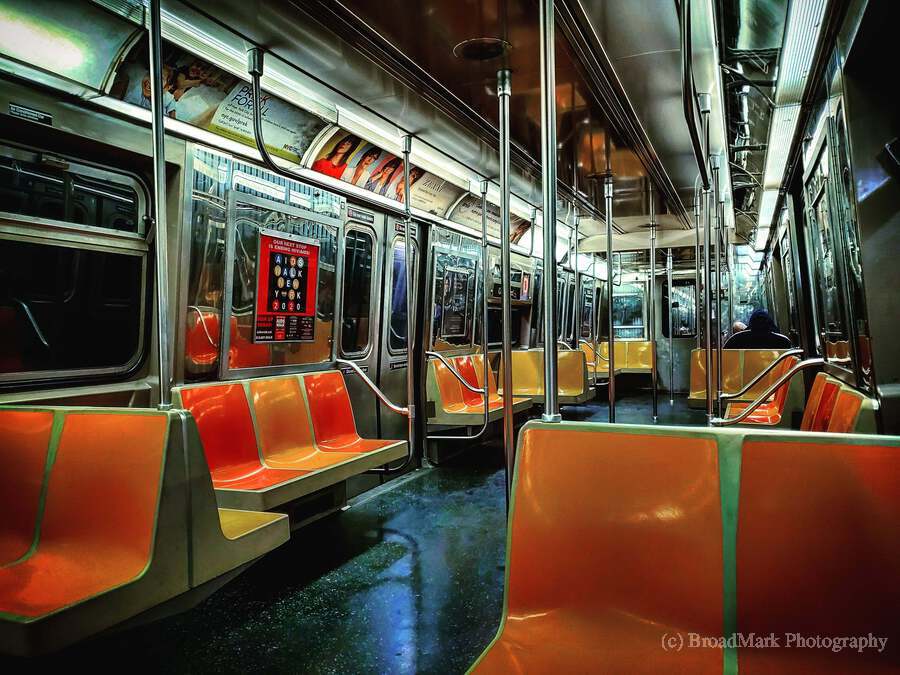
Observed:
{"x":801,"y":35}
{"x":781,"y":132}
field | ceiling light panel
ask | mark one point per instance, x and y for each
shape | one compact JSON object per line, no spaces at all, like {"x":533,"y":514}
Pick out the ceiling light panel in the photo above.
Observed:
{"x":800,"y":38}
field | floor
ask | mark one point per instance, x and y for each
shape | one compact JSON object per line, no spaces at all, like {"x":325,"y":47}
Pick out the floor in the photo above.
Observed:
{"x":408,"y":579}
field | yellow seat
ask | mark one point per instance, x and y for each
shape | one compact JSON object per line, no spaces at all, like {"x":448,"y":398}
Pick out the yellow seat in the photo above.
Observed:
{"x":638,"y":356}
{"x":528,"y":375}
{"x":732,"y":374}
{"x":755,"y":361}
{"x":598,"y":368}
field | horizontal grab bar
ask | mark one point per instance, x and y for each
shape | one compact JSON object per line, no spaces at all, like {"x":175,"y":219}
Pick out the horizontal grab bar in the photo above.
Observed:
{"x":380,"y":394}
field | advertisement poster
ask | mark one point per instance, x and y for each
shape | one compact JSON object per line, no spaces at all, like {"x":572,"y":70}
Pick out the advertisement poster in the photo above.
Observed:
{"x":210,"y":98}
{"x":468,"y":213}
{"x":356,"y":161}
{"x":287,"y":271}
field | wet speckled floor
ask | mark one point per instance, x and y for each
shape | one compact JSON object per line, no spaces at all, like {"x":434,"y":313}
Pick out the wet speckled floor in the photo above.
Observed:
{"x":407,"y":580}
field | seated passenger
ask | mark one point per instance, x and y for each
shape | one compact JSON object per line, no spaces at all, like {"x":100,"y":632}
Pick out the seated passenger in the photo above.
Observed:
{"x":738,"y":326}
{"x":762,"y":334}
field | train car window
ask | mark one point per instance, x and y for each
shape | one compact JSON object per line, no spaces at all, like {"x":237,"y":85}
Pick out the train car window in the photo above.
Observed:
{"x":397,"y":322}
{"x":69,"y":312}
{"x":249,"y":218}
{"x":628,"y":312}
{"x":587,"y":308}
{"x":357,"y":293}
{"x":44,"y":186}
{"x":684,"y":308}
{"x":824,"y":230}
{"x":454,"y":300}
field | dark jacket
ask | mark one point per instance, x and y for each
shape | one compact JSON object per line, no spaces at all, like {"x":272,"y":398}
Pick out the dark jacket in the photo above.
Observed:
{"x":757,"y":339}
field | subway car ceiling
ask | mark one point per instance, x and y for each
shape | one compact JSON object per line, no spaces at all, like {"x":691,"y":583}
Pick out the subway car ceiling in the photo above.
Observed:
{"x":310,"y":71}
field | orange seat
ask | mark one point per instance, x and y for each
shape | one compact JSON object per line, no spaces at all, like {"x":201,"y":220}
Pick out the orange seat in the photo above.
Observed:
{"x":769,"y":413}
{"x":99,"y":514}
{"x":229,"y":443}
{"x":24,"y":439}
{"x":454,"y":404}
{"x":847,"y":406}
{"x":465,"y":366}
{"x":817,"y":552}
{"x":332,"y":415}
{"x":615,"y":540}
{"x":283,"y":428}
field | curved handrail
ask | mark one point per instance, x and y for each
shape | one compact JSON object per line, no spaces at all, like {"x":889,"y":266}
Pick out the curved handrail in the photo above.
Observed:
{"x":564,"y":344}
{"x":765,"y":371}
{"x":762,"y":398}
{"x":380,"y":394}
{"x":596,"y":351}
{"x":459,"y":377}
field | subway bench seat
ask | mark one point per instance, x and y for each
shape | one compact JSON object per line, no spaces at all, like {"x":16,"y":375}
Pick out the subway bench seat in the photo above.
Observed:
{"x":623,"y":537}
{"x":573,"y":384}
{"x":632,"y":356}
{"x":776,"y":411}
{"x":838,"y":408}
{"x":739,"y":367}
{"x":103,"y":528}
{"x":270,"y":441}
{"x":455,"y":405}
{"x":598,"y":368}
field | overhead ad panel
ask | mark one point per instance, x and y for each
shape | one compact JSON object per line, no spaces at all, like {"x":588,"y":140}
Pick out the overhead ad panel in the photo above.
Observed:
{"x":468,"y":214}
{"x":201,"y":94}
{"x":354,"y":160}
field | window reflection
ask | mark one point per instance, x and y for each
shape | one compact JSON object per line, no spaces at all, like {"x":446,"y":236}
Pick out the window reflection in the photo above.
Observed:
{"x":397,"y":323}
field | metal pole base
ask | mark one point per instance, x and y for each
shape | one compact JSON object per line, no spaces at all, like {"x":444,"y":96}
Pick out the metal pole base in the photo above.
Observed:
{"x":655,"y":420}
{"x":555,"y":417}
{"x":709,"y":419}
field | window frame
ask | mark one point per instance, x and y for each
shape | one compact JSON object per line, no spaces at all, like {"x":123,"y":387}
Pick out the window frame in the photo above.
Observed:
{"x":685,"y":282}
{"x":389,"y":298}
{"x":355,"y":226}
{"x":225,"y":371}
{"x":52,"y":232}
{"x":643,"y":296}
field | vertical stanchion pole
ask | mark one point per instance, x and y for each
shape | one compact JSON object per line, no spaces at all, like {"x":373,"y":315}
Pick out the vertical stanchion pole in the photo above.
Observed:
{"x":548,"y":194}
{"x":486,"y":289}
{"x":718,"y":287}
{"x":652,"y":318}
{"x":698,"y":304}
{"x":160,"y":229}
{"x":509,"y":438}
{"x":576,"y":320}
{"x":669,"y":266}
{"x":410,"y":306}
{"x":707,"y":301}
{"x":608,"y":206}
